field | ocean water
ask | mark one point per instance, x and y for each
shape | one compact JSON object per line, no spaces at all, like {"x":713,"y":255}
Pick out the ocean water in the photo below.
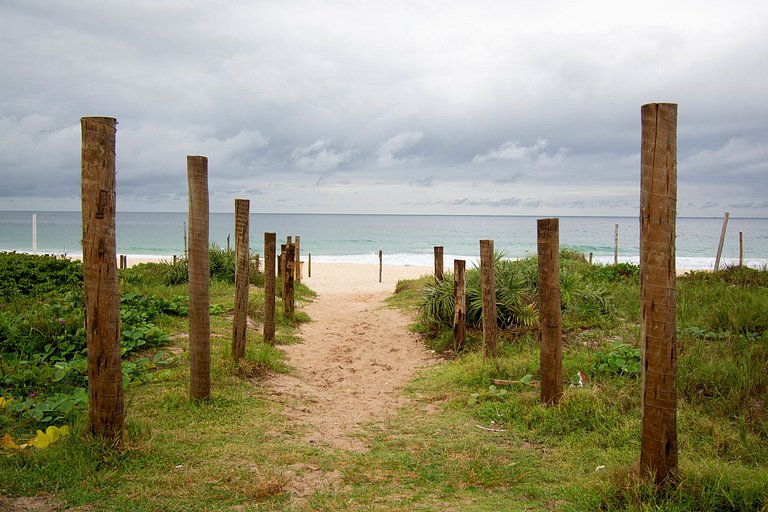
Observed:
{"x":404,"y":239}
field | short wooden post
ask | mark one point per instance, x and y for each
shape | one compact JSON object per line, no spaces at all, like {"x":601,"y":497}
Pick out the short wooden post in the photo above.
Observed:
{"x":488,"y":286}
{"x":270,"y":241}
{"x":174,"y":259}
{"x":199,"y":265}
{"x":616,"y":245}
{"x":658,"y":206}
{"x":186,"y":251}
{"x":34,"y":233}
{"x":438,"y":263}
{"x":459,"y":305}
{"x":722,"y":241}
{"x":741,"y":249}
{"x":106,"y":409}
{"x":590,"y":258}
{"x":228,"y":250}
{"x":381,"y":259}
{"x":309,"y":264}
{"x":242,"y":281}
{"x":550,"y":321}
{"x":288,"y":280}
{"x":297,"y":259}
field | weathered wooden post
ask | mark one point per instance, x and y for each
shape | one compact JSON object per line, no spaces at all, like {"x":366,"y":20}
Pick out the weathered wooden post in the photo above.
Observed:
{"x":106,"y":410}
{"x":722,"y":241}
{"x":174,"y":259}
{"x":288,"y":280}
{"x":309,"y":264}
{"x":297,"y":258}
{"x":459,"y":305}
{"x":550,"y":320}
{"x":438,"y":263}
{"x":228,"y":250}
{"x":199,"y":266}
{"x":381,"y":259}
{"x":741,"y":248}
{"x":616,"y":245}
{"x":186,"y":251}
{"x":590,"y":259}
{"x":488,"y":287}
{"x":270,"y":241}
{"x":242,"y":275}
{"x":658,"y":203}
{"x":281,"y":269}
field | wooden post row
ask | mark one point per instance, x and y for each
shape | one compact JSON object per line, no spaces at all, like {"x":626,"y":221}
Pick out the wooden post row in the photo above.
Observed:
{"x":550,"y":321}
{"x":242,"y":281}
{"x":106,"y":410}
{"x":658,"y":206}
{"x":289,"y":279}
{"x":488,"y":287}
{"x":199,"y":299}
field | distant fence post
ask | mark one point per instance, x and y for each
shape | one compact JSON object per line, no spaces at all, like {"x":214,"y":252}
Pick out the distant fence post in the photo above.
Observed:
{"x":309,"y":264}
{"x":616,"y":245}
{"x":658,"y":206}
{"x":722,"y":241}
{"x":381,"y":259}
{"x":459,"y":305}
{"x":34,"y":233}
{"x":270,"y":242}
{"x":288,"y":280}
{"x":550,"y":320}
{"x":106,"y":410}
{"x":281,"y":269}
{"x":741,"y":249}
{"x":186,"y":250}
{"x":438,"y":263}
{"x":199,"y":266}
{"x":242,"y":278}
{"x":297,"y":258}
{"x":488,"y":286}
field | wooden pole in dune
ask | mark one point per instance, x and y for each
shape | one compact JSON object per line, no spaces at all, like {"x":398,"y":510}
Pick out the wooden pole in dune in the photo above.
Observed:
{"x":722,"y":241}
{"x":550,"y":320}
{"x":106,"y":410}
{"x":186,"y":251}
{"x":309,"y":264}
{"x":381,"y":263}
{"x":459,"y":305}
{"x":741,"y":249}
{"x":297,"y":259}
{"x":242,"y":281}
{"x":616,"y":245}
{"x":199,"y":265}
{"x":658,"y":204}
{"x":289,"y":280}
{"x":438,"y":263}
{"x":488,"y":287}
{"x":270,"y":241}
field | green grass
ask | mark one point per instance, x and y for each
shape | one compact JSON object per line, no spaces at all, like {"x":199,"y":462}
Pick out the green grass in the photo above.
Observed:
{"x":240,"y":451}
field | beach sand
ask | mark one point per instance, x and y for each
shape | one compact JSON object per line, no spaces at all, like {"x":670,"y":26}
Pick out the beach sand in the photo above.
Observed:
{"x":356,"y":355}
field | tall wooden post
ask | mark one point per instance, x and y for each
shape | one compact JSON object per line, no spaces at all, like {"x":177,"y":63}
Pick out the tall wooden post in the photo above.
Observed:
{"x":106,"y":410}
{"x":459,"y":305}
{"x":616,"y":245}
{"x":550,"y":320}
{"x":438,"y":263}
{"x":288,"y":279}
{"x":488,"y":287}
{"x":270,"y":240}
{"x":722,"y":241}
{"x":381,"y":264}
{"x":242,"y":281}
{"x":741,"y":249}
{"x":199,"y":266}
{"x":658,"y":203}
{"x":297,"y":258}
{"x":281,"y":269}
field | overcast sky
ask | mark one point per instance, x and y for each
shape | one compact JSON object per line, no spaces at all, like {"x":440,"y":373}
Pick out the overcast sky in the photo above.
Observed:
{"x":484,"y":107}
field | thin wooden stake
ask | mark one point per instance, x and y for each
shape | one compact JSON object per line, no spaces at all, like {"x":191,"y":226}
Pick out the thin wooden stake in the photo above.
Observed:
{"x":658,"y":205}
{"x":381,"y":264}
{"x":242,"y":278}
{"x":550,"y":320}
{"x":106,"y":409}
{"x":309,"y":264}
{"x":459,"y":305}
{"x":741,"y":249}
{"x":34,"y":233}
{"x":186,"y":251}
{"x":297,"y":259}
{"x":488,"y":286}
{"x":199,"y":298}
{"x":270,"y":241}
{"x":289,"y":280}
{"x":616,"y":245}
{"x":722,"y":241}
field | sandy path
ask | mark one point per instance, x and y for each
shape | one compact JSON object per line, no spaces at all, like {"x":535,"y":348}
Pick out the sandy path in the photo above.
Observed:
{"x":356,"y":356}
